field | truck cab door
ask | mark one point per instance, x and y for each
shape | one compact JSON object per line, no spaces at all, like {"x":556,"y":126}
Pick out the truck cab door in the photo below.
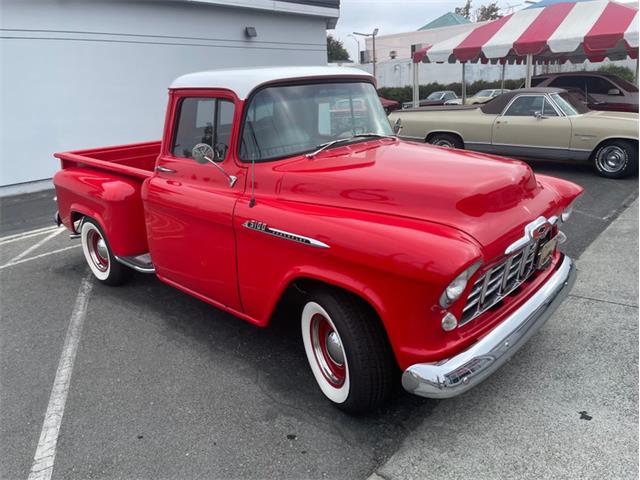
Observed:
{"x":189,"y":206}
{"x":531,"y":126}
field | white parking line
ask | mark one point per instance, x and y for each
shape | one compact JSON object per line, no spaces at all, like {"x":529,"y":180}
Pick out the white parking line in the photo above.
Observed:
{"x":37,"y":245}
{"x":7,"y":265}
{"x":31,"y":233}
{"x":45,"y":455}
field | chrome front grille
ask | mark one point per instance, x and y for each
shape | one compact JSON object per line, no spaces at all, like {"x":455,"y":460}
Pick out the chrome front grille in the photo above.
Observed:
{"x":499,"y":281}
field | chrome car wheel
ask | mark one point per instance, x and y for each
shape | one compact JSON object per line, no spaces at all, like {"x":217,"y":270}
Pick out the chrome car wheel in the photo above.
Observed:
{"x":611,"y":159}
{"x":97,"y":253}
{"x":95,"y":250}
{"x":444,"y":143}
{"x":325,"y":352}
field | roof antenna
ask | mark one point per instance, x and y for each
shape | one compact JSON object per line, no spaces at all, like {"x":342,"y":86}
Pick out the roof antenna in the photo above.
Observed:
{"x":252,"y":201}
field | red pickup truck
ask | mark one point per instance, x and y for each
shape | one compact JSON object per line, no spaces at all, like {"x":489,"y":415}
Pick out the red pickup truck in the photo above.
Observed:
{"x":433,"y":262}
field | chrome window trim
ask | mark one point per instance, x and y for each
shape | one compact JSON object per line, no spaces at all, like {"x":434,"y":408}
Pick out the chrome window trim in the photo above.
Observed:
{"x":545,"y":95}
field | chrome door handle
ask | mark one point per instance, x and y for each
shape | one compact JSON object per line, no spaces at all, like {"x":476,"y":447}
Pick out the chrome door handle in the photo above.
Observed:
{"x":162,"y":169}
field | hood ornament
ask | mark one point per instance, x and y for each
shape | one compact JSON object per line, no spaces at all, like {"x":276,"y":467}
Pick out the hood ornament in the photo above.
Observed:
{"x":533,"y":231}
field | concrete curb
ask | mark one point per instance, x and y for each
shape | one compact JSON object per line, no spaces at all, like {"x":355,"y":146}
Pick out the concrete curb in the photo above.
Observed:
{"x":566,"y":405}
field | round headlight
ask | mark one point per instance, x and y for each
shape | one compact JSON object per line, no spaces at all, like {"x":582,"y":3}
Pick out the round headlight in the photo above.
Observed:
{"x":457,"y":286}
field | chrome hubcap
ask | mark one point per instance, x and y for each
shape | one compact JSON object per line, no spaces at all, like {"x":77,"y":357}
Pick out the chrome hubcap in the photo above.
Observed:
{"x":444,"y":143}
{"x":101,"y":248}
{"x":612,"y":159}
{"x":334,"y":348}
{"x":328,"y":350}
{"x":98,"y":250}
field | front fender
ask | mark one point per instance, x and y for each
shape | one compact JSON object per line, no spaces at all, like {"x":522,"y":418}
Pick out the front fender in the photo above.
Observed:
{"x":399,"y":266}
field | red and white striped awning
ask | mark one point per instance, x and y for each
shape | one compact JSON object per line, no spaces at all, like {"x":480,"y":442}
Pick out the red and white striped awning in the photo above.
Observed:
{"x":571,"y":31}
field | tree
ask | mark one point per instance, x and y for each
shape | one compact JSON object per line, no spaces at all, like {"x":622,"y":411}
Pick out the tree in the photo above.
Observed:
{"x":623,"y":72}
{"x":491,"y":11}
{"x":336,"y":51}
{"x":464,"y":11}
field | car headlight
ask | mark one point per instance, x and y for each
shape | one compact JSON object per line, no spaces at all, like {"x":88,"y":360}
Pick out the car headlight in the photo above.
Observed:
{"x":566,"y":214}
{"x":457,"y":286}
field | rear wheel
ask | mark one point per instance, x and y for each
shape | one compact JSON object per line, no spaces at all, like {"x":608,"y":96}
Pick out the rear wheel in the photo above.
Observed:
{"x":615,"y":159}
{"x":99,"y":257}
{"x":347,"y":350}
{"x":446,"y":140}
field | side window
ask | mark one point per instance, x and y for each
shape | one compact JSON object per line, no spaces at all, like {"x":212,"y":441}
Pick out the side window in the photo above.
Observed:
{"x":599,"y":85}
{"x":535,"y":81}
{"x":203,"y":120}
{"x":224,"y":125}
{"x":449,"y":96}
{"x":195,"y":125}
{"x":525,"y":106}
{"x":568,"y":81}
{"x":547,"y":109}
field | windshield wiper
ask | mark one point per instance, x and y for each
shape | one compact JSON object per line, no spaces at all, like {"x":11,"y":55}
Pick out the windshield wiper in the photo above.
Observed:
{"x":324,"y":146}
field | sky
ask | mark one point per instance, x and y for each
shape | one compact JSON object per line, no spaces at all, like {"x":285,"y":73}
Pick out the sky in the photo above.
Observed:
{"x":395,"y":16}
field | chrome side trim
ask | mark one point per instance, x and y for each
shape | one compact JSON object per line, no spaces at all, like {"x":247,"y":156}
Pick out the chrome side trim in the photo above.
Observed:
{"x":140,"y":263}
{"x":294,"y":237}
{"x":458,"y":374}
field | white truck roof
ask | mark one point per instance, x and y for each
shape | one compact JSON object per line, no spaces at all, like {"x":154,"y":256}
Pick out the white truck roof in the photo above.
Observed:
{"x":243,"y":81}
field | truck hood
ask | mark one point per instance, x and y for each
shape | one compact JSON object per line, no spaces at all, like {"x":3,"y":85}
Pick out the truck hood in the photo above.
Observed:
{"x":489,"y":198}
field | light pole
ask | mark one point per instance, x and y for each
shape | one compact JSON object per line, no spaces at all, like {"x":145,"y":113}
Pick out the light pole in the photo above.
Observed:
{"x":358,"y":42}
{"x":373,"y":38}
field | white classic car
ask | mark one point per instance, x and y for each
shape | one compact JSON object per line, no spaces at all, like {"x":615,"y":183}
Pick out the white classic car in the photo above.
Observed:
{"x":536,"y":123}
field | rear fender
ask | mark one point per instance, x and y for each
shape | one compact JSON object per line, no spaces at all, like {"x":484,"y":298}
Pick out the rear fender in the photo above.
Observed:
{"x":113,"y":201}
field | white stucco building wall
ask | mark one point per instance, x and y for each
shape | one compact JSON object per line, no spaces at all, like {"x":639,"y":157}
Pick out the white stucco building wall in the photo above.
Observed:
{"x":77,"y":74}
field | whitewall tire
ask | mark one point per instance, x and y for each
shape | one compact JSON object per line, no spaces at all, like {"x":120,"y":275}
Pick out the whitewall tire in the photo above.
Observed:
{"x":347,"y":349}
{"x":98,"y":255}
{"x":318,"y":330}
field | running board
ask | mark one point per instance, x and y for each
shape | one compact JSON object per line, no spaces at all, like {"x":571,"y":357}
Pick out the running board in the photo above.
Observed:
{"x":140,"y":263}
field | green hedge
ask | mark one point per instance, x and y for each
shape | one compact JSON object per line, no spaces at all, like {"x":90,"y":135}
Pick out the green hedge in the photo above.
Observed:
{"x":404,"y":94}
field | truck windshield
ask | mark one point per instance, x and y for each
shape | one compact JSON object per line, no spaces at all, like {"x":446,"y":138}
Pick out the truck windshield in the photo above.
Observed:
{"x":283,"y":121}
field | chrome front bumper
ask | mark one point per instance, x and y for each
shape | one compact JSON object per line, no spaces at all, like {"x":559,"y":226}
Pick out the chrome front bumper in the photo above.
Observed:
{"x":458,"y":374}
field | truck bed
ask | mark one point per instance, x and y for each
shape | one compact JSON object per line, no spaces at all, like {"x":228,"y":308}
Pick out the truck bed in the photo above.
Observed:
{"x":133,"y":160}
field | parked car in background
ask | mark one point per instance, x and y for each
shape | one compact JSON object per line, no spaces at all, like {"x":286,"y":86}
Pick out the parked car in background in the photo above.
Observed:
{"x":392,"y":255}
{"x":609,"y":91}
{"x":592,"y":104}
{"x":434,"y":98}
{"x":389,"y":105}
{"x":483,"y":96}
{"x":537,"y":123}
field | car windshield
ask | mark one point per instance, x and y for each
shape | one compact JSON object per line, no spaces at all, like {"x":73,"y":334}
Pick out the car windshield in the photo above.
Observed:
{"x":569,"y":104}
{"x":283,"y":121}
{"x":435,"y":96}
{"x":629,"y":87}
{"x":484,"y":93}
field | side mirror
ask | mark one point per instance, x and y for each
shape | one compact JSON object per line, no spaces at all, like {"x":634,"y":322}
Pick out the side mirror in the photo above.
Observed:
{"x":539,"y":115}
{"x":613,"y":91}
{"x":397,"y":126}
{"x":203,"y":153}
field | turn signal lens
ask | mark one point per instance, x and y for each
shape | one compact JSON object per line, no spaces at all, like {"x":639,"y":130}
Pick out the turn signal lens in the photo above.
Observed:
{"x":456,"y":288}
{"x":449,"y":322}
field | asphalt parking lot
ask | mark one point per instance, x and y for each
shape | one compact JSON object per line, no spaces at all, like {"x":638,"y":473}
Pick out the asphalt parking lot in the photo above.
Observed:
{"x":165,"y":386}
